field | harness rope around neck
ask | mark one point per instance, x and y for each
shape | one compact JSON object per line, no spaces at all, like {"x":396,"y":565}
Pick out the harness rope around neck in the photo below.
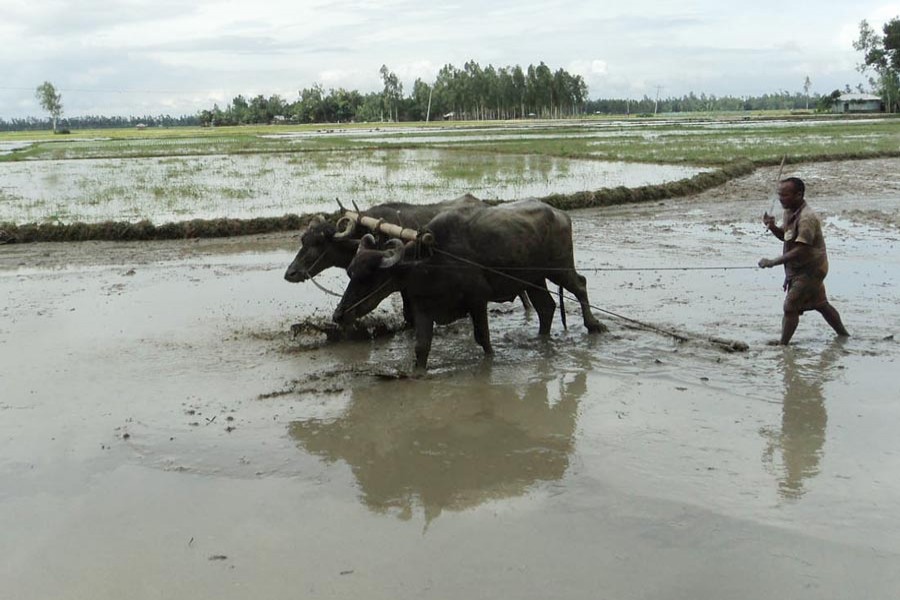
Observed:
{"x":316,"y":283}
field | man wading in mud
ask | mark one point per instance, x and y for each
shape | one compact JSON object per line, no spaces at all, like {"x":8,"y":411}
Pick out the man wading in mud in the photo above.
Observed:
{"x":804,"y":259}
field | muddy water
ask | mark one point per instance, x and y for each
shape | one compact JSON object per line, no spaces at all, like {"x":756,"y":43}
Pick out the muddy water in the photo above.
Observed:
{"x":163,"y":435}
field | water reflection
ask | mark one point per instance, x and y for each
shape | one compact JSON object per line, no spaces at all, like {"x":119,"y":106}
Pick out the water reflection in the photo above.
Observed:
{"x":804,"y":418}
{"x":450,"y":445}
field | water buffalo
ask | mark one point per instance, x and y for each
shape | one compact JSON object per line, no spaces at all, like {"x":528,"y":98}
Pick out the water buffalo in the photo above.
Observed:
{"x":488,"y":254}
{"x":322,"y":247}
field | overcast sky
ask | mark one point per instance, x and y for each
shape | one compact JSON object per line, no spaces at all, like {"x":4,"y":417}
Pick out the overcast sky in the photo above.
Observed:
{"x":140,"y":57}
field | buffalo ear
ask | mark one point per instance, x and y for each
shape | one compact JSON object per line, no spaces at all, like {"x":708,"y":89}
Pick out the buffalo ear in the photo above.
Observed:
{"x":417,"y":250}
{"x":367,"y":242}
{"x":392,"y":254}
{"x":313,"y":223}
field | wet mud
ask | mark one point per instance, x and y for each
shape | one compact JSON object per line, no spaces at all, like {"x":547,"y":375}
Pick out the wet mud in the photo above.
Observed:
{"x":175,"y":421}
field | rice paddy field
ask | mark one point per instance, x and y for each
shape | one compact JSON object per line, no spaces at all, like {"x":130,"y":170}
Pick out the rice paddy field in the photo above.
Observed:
{"x":173,"y":423}
{"x":172,"y":175}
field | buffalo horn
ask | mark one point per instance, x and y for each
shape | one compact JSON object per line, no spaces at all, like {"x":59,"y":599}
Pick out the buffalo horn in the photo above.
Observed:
{"x":343,"y":210}
{"x":392,"y":254}
{"x":345,"y":227}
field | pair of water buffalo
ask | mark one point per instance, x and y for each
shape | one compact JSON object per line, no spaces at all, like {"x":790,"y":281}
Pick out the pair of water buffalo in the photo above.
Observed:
{"x":476,"y":254}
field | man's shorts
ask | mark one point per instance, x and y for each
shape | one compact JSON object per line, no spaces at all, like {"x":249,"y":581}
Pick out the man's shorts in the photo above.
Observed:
{"x":804,"y":293}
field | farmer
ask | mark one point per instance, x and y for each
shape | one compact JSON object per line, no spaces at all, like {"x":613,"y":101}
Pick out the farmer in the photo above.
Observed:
{"x":804,"y":259}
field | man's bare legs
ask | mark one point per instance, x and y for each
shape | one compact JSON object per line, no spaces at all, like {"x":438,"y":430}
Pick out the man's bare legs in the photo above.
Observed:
{"x":791,"y":319}
{"x":833,"y":318}
{"x":789,"y":323}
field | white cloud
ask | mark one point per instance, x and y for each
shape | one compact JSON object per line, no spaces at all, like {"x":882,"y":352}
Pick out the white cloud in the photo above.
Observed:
{"x":599,"y":67}
{"x":420,"y":69}
{"x":213,"y":50}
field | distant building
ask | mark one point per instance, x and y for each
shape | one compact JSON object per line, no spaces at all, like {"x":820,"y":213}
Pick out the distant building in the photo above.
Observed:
{"x":857,"y":103}
{"x":141,"y":126}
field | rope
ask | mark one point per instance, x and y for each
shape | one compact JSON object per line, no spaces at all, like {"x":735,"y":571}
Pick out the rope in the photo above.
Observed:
{"x":316,"y":283}
{"x":619,"y":268}
{"x":367,"y":296}
{"x":594,"y":269}
{"x":324,"y":289}
{"x":649,"y":326}
{"x":663,"y":268}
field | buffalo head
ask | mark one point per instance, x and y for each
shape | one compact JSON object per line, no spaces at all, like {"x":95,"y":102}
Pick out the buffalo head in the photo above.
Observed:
{"x":373,"y":278}
{"x":322,"y":245}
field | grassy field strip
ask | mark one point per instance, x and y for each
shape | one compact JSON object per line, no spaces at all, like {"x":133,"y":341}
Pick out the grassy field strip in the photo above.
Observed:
{"x":706,"y":142}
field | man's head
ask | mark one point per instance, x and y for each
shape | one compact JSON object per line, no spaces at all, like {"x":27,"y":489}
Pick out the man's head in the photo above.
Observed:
{"x":790,"y":192}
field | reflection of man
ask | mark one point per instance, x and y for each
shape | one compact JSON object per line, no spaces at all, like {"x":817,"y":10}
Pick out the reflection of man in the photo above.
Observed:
{"x":803,"y":417}
{"x":804,"y":258}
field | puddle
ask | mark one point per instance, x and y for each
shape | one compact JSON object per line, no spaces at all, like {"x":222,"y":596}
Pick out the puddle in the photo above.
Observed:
{"x":10,"y":147}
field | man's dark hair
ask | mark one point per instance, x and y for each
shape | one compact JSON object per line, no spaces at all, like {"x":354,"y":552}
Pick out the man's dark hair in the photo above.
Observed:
{"x":798,"y":184}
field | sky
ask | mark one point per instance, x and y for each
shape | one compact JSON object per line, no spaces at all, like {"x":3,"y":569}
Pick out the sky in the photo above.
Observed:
{"x":176,"y":57}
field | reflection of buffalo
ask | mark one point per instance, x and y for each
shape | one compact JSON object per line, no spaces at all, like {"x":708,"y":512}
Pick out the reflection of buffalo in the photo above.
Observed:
{"x":444,"y":446}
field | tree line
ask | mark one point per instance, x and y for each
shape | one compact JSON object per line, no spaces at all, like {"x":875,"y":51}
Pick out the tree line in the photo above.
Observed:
{"x":97,"y":122}
{"x":341,"y":106}
{"x":472,"y":92}
{"x":316,"y":105}
{"x":782,"y":100}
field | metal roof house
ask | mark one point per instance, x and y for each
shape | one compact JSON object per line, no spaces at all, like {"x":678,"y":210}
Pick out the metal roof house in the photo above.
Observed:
{"x":857,"y":103}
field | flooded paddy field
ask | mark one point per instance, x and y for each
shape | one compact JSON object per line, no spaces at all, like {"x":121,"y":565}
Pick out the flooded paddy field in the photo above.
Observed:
{"x":179,"y":174}
{"x":162,"y":433}
{"x":167,"y":189}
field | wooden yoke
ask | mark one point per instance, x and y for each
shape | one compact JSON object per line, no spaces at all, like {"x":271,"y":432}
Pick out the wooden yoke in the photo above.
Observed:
{"x":390,"y":229}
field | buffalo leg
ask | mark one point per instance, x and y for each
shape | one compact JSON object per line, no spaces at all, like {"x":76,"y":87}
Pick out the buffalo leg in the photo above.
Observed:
{"x":424,"y":333}
{"x":526,"y":301}
{"x":544,"y":306}
{"x":577,"y":284}
{"x":408,"y":314}
{"x":480,"y":327}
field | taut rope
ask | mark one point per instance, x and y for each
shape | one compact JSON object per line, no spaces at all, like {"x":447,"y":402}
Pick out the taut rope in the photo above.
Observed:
{"x":367,"y":296}
{"x":733,"y":345}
